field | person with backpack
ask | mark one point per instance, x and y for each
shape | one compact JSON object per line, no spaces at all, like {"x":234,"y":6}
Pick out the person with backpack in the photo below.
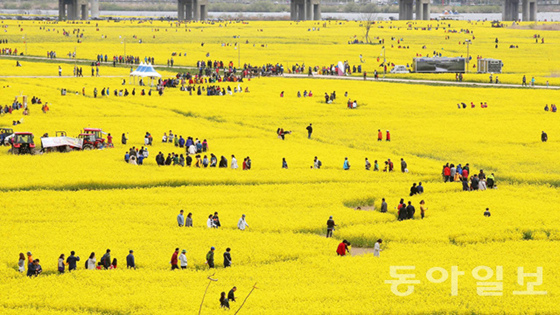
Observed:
{"x":210,"y":257}
{"x":106,"y":259}
{"x":317,"y":163}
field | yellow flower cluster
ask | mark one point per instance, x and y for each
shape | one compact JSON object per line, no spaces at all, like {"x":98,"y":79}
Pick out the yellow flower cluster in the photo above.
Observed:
{"x":91,"y":201}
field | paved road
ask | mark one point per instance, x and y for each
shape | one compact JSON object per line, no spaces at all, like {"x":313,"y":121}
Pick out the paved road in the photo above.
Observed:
{"x":420,"y":81}
{"x":301,"y":76}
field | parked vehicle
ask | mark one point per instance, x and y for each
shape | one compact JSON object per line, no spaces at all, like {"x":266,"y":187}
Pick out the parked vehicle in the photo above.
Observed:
{"x":5,"y":133}
{"x":22,"y":143}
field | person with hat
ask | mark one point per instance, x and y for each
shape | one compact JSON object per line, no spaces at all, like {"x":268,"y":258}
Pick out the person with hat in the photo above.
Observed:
{"x":210,"y":257}
{"x":174,"y":259}
{"x":227,"y":258}
{"x":330,"y":226}
{"x":388,"y":136}
{"x":130,"y":263}
{"x":242,"y":224}
{"x":183,"y":259}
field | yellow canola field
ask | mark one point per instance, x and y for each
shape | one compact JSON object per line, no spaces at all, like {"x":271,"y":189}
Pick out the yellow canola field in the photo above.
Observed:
{"x":90,"y":201}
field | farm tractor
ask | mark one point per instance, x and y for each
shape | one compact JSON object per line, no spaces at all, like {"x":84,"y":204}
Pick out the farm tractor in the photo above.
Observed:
{"x":92,"y":138}
{"x":22,"y":143}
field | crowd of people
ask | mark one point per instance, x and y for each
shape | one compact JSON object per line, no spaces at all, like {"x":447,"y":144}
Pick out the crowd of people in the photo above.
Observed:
{"x":473,"y":105}
{"x":459,"y":173}
{"x":69,"y":264}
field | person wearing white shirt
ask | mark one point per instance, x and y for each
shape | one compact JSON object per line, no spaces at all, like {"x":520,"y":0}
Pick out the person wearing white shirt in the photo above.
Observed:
{"x":192,"y":149}
{"x":183,"y":259}
{"x":210,"y":222}
{"x":242,"y":224}
{"x":233,"y":162}
{"x":91,"y":262}
{"x":377,"y":248}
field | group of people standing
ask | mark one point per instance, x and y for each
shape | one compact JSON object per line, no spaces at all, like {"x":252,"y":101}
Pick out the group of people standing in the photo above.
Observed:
{"x":459,"y":173}
{"x":70,"y":263}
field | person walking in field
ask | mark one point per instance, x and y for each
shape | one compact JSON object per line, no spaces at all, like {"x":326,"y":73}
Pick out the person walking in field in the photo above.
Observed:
{"x":180,"y":219}
{"x":330,"y":226}
{"x":524,"y":83}
{"x":227,"y":258}
{"x":343,"y":248}
{"x":231,"y":294}
{"x":233,"y":162}
{"x":242,"y":224}
{"x":383,"y":206}
{"x":21,"y":263}
{"x":388,"y":136}
{"x":188,"y":220}
{"x":210,"y":257}
{"x":216,"y":220}
{"x":174,"y":259}
{"x":379,"y":135}
{"x":59,"y":71}
{"x":183,"y":259}
{"x":309,"y":131}
{"x":317,"y":163}
{"x":346,"y":165}
{"x":106,"y":259}
{"x":377,"y":248}
{"x":410,"y":211}
{"x":422,"y":209}
{"x":224,"y":302}
{"x":72,"y":260}
{"x":61,"y":264}
{"x":91,"y":262}
{"x":210,"y":222}
{"x":403,"y":166}
{"x":487,"y":213}
{"x":130,"y":261}
{"x":544,"y":137}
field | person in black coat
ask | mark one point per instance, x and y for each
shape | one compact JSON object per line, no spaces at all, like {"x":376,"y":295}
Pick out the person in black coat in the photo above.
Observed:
{"x":410,"y":210}
{"x":227,"y":258}
{"x":413,"y":190}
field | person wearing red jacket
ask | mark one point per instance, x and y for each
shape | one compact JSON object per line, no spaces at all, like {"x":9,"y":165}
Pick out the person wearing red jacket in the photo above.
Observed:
{"x":446,"y":173}
{"x":174,"y":259}
{"x":379,"y":135}
{"x":465,"y":173}
{"x":388,"y":136}
{"x":343,"y":248}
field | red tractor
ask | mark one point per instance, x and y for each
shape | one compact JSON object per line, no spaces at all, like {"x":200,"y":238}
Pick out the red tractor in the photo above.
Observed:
{"x":93,"y":138}
{"x":22,"y":143}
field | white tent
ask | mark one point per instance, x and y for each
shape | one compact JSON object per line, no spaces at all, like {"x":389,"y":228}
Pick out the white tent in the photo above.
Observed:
{"x":145,"y":70}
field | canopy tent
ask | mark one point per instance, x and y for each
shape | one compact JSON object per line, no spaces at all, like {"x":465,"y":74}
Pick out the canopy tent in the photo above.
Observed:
{"x":145,"y":70}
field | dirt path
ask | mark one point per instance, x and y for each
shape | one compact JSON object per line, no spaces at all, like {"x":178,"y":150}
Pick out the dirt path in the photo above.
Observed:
{"x":361,"y":251}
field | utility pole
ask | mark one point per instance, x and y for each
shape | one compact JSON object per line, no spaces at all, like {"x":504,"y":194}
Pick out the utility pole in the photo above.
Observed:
{"x":238,"y":53}
{"x":468,"y":42}
{"x":384,"y":63}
